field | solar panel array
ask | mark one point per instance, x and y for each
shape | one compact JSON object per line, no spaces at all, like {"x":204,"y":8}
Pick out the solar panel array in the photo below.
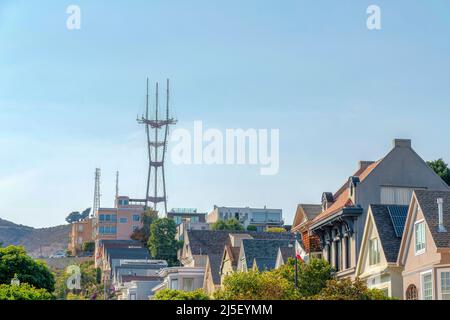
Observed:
{"x":398,"y":216}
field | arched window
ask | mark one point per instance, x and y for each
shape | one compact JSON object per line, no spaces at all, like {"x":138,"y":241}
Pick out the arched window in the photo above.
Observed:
{"x":411,"y":293}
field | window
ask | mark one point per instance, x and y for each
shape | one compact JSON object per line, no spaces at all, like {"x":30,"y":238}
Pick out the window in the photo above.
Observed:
{"x":102,"y":217}
{"x":102,"y":229}
{"x":427,"y":286}
{"x":80,"y":228}
{"x":194,"y":219}
{"x":347,"y":252}
{"x":411,"y":292}
{"x":123,"y":220}
{"x":136,"y":217}
{"x":174,"y":284}
{"x":80,"y":240}
{"x":114,"y":217}
{"x":107,"y":217}
{"x":374,"y":252}
{"x":420,"y":237}
{"x":445,"y":285}
{"x":113,"y":230}
{"x":188,"y":284}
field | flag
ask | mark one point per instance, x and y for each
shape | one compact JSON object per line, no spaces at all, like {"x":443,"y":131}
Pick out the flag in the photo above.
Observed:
{"x":300,"y":253}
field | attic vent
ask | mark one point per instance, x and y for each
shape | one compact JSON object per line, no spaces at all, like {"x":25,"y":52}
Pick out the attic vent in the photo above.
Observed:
{"x":327,"y":200}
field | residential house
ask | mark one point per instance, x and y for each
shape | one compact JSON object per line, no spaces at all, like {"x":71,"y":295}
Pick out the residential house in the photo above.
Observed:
{"x":180,"y":215}
{"x":139,"y":287}
{"x":391,"y":180}
{"x":283,"y":254}
{"x":377,"y":263}
{"x":181,"y":278}
{"x":206,"y":249}
{"x":304,"y":215}
{"x":260,"y":218}
{"x":260,"y":254}
{"x":81,"y":232}
{"x":425,"y":247}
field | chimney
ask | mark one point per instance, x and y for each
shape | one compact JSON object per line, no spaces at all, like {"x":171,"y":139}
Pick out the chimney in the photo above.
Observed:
{"x":440,"y":203}
{"x":402,"y":143}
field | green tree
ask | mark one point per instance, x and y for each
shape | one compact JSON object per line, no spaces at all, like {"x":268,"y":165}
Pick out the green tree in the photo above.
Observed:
{"x":89,"y":246}
{"x":162,"y":243}
{"x":312,"y":276}
{"x":73,"y":217}
{"x":167,"y":294}
{"x":346,"y":289}
{"x":251,"y":228}
{"x":231,"y":225}
{"x":441,"y":168}
{"x":90,"y":283}
{"x":14,"y":260}
{"x":142,"y":234}
{"x":24,"y":291}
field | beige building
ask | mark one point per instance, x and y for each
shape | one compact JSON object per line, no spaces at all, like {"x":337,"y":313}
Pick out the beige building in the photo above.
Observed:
{"x":377,"y":264}
{"x":81,"y":232}
{"x":425,"y":247}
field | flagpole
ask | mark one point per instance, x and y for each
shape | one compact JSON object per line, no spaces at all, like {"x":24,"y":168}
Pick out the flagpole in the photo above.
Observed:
{"x":296,"y":263}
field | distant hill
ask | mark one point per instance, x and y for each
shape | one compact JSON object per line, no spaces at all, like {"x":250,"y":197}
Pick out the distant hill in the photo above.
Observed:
{"x":45,"y":240}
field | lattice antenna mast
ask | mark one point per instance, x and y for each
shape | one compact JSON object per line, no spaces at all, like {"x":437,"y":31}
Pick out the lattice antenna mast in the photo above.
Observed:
{"x":97,"y":195}
{"x":156,"y":147}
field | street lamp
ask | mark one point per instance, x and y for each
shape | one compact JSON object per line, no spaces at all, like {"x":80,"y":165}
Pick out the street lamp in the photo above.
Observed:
{"x":15,"y":281}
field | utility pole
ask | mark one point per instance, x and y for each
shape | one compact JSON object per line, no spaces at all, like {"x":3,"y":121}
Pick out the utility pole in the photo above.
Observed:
{"x":156,"y":149}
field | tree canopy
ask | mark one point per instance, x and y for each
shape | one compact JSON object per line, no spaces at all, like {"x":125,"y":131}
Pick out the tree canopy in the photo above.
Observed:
{"x":441,"y":168}
{"x":162,"y":243}
{"x":142,"y":234}
{"x":76,"y":216}
{"x":15,"y":261}
{"x":231,"y":224}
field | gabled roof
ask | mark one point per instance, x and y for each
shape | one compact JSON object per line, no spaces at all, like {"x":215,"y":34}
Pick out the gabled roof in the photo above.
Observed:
{"x":264,"y":251}
{"x":341,"y":197}
{"x":389,"y":240}
{"x":427,"y":201}
{"x":214,"y":261}
{"x":308,"y":211}
{"x":287,"y":252}
{"x":204,"y":242}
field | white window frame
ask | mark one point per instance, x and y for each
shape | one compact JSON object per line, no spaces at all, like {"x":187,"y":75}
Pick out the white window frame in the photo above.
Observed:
{"x":421,"y":251}
{"x":377,"y":241}
{"x":439,"y":285}
{"x":422,"y":288}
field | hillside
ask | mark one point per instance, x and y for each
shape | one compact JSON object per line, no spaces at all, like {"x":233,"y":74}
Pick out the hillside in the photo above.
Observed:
{"x":49,"y":240}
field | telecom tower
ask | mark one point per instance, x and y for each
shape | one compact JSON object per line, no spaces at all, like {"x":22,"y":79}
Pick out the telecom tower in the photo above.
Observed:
{"x":157,"y":131}
{"x":96,"y":204}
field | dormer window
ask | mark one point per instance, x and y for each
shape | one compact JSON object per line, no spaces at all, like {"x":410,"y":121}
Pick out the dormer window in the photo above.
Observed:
{"x":327,"y":200}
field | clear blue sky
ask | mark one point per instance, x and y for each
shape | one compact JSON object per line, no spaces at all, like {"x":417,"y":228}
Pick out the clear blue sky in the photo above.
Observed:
{"x":338,"y":92}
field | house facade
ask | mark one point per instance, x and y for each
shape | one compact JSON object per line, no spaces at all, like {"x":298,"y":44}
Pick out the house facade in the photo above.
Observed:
{"x":390,"y":180}
{"x":425,"y":247}
{"x":303,"y":217}
{"x":81,"y":232}
{"x":377,"y":264}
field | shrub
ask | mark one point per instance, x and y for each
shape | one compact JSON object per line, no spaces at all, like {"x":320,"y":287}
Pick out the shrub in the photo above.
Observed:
{"x":276,"y":229}
{"x":231,"y":225}
{"x":251,"y":228}
{"x":167,"y":294}
{"x":24,"y":291}
{"x":255,"y":285}
{"x":346,"y":289}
